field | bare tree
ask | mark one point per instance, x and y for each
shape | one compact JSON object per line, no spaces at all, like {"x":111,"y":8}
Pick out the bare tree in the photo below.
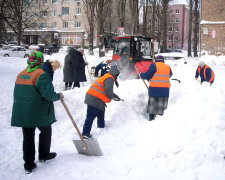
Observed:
{"x":90,"y":13}
{"x":121,"y":10}
{"x":21,"y":14}
{"x":196,"y":27}
{"x":165,"y":4}
{"x":190,"y":28}
{"x":101,"y":13}
{"x":134,"y":7}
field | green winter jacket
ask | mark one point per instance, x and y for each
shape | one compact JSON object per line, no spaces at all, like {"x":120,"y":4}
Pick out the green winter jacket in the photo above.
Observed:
{"x":33,"y":100}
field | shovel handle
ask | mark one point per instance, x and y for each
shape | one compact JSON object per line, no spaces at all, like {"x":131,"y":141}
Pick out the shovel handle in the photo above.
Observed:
{"x":140,"y":76}
{"x":74,"y":124}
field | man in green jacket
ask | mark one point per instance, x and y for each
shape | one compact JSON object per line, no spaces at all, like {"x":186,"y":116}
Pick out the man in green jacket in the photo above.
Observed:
{"x":33,"y":107}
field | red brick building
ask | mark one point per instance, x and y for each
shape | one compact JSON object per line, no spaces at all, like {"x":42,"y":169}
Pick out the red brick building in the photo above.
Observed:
{"x":213,"y":26}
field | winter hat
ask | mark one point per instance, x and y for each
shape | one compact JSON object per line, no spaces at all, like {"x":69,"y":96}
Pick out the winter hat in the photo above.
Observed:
{"x":201,"y":63}
{"x":35,"y":61}
{"x":114,"y":70}
{"x":108,"y":61}
{"x":159,"y":58}
{"x":80,"y":49}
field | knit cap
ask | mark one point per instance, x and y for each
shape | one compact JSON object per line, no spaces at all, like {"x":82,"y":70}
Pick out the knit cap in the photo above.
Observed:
{"x":35,"y":61}
{"x":159,"y":58}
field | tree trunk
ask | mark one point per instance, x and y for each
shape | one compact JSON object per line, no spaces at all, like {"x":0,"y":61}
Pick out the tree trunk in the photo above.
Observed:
{"x":190,"y":29}
{"x":196,"y":29}
{"x":164,"y":18}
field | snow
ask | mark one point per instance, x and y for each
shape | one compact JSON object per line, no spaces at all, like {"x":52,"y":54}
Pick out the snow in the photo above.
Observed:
{"x":212,"y":22}
{"x":187,"y":142}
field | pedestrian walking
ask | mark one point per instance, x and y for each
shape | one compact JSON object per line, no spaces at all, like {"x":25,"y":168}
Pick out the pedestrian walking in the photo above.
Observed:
{"x":33,"y":108}
{"x":100,"y":93}
{"x":158,"y":76}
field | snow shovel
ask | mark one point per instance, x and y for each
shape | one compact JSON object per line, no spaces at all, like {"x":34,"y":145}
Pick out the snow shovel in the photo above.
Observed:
{"x":88,"y":147}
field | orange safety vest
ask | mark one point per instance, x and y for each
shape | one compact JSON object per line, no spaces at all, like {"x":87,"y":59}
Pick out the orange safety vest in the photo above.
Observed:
{"x":98,"y":90}
{"x":161,"y":78}
{"x":204,"y":72}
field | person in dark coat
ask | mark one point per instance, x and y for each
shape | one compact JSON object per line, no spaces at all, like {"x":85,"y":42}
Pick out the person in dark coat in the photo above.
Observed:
{"x":205,"y":72}
{"x":78,"y":67}
{"x":100,"y":93}
{"x":33,"y":107}
{"x":68,"y":69}
{"x":158,"y":76}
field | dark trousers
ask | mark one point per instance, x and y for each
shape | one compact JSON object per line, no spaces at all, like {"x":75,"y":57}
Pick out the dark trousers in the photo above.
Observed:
{"x":76,"y":84}
{"x":29,"y":144}
{"x":68,"y":84}
{"x":92,"y":113}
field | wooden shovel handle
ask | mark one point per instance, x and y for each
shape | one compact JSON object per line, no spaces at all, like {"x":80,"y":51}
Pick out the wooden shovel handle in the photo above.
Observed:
{"x":74,"y":124}
{"x":140,"y":76}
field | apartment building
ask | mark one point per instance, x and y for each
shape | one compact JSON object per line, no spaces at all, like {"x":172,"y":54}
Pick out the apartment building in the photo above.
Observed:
{"x":64,"y":23}
{"x":177,"y":33}
{"x":213,"y":26}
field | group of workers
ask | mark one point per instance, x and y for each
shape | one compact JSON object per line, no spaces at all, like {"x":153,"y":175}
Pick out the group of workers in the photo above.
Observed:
{"x":34,"y":96}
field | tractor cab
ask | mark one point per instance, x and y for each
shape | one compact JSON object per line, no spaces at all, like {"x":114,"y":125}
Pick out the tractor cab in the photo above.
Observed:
{"x":132,"y":52}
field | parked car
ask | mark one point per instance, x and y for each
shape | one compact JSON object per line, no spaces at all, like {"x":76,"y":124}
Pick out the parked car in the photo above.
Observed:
{"x":35,"y":47}
{"x":51,"y":48}
{"x":15,"y":51}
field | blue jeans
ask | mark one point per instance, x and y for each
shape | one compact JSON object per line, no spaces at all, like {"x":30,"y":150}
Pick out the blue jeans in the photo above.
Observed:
{"x":92,"y":113}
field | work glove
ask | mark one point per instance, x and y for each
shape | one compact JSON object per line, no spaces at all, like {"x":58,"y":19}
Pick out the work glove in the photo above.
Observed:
{"x":61,"y":95}
{"x":116,"y":98}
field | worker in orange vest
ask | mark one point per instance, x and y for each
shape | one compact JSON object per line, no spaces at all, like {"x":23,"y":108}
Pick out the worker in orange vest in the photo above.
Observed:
{"x":205,"y":73}
{"x":100,"y":93}
{"x":158,"y":76}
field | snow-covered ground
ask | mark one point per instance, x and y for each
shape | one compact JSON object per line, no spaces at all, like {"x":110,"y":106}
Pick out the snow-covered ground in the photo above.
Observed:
{"x":186,"y":143}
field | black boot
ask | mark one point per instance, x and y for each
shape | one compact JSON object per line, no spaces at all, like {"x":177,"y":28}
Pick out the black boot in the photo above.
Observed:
{"x":50,"y":156}
{"x":29,"y":169}
{"x":151,"y":117}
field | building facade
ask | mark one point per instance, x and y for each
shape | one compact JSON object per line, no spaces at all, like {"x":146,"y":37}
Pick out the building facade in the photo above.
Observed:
{"x":64,"y":23}
{"x":177,"y":24}
{"x":213,"y":26}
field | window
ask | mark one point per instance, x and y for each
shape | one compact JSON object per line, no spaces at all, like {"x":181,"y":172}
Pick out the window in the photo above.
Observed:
{"x":78,"y":1}
{"x":177,"y":20}
{"x":77,"y":24}
{"x":65,"y":24}
{"x":171,"y":20}
{"x":70,"y":39}
{"x":65,"y":10}
{"x":205,"y":31}
{"x":44,"y":13}
{"x":54,"y":1}
{"x":177,"y":11}
{"x":176,"y":38}
{"x":171,"y":11}
{"x":156,"y":29}
{"x":34,"y":25}
{"x":170,"y":29}
{"x":43,"y":25}
{"x":54,"y":12}
{"x":176,"y":29}
{"x":156,"y":20}
{"x":170,"y":38}
{"x":35,"y":2}
{"x":26,"y":2}
{"x":44,"y":1}
{"x":77,"y":10}
{"x":54,"y":24}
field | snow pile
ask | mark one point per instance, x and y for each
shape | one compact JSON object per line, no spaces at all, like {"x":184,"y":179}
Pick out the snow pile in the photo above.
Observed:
{"x":187,"y":142}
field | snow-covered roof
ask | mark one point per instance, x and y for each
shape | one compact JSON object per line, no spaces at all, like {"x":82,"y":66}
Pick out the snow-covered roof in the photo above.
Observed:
{"x":212,"y":22}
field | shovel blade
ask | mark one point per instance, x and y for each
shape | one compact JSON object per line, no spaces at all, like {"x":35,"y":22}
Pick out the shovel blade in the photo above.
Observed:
{"x":94,"y":148}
